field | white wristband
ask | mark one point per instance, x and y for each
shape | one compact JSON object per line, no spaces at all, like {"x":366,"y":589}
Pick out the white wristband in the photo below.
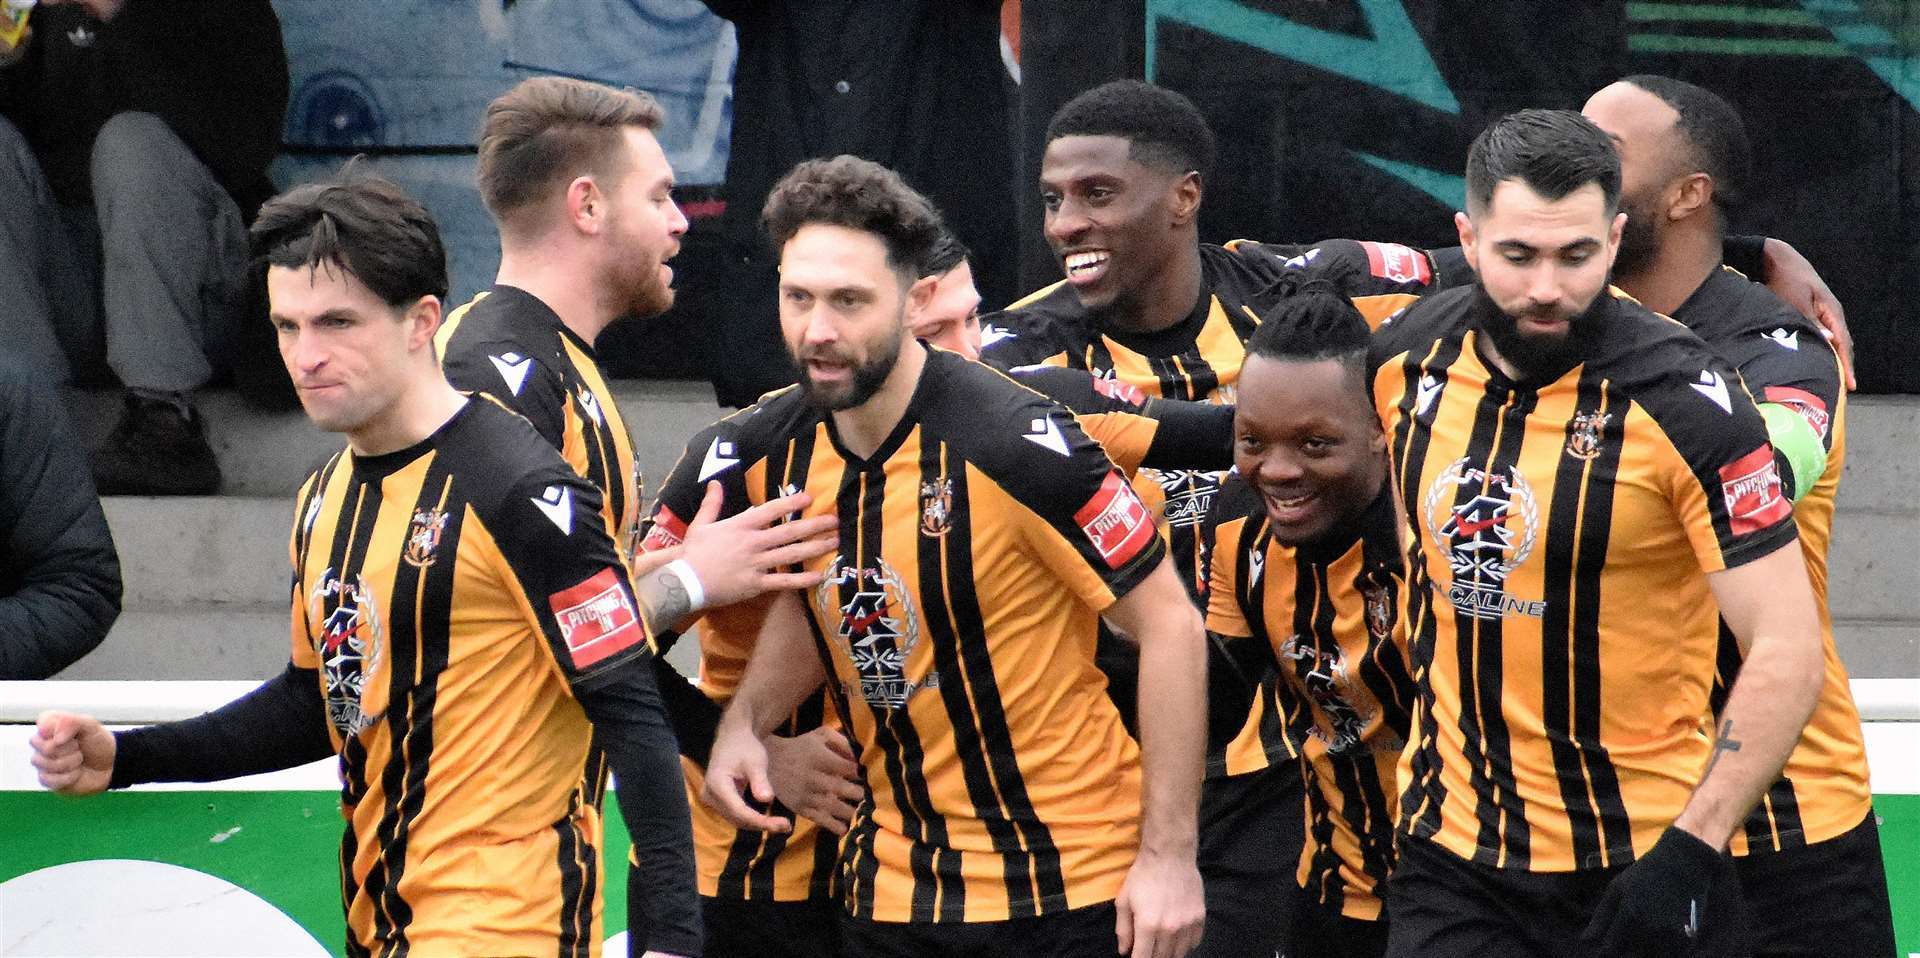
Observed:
{"x":690,"y":580}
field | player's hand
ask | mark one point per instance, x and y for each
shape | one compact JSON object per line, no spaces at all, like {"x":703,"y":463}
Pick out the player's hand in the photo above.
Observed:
{"x":1160,"y":912}
{"x":743,"y":556}
{"x":73,"y":753}
{"x":815,"y":775}
{"x":1681,"y":898}
{"x":736,"y":767}
{"x":1799,"y":285}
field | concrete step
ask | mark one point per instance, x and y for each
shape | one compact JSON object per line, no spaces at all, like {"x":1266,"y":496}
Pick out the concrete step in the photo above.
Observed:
{"x":191,"y":552}
{"x":270,"y":454}
{"x":1883,"y":455}
{"x":191,"y":642}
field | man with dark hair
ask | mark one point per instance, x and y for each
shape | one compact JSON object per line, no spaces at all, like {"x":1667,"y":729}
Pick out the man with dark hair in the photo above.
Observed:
{"x":1809,"y":856}
{"x":134,"y":144}
{"x":1306,"y":574}
{"x":1582,"y":481}
{"x":449,"y":570}
{"x":1147,"y":304}
{"x":982,"y":536}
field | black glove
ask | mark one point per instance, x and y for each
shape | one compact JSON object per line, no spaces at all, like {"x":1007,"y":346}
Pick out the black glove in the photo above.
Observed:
{"x":1681,"y":898}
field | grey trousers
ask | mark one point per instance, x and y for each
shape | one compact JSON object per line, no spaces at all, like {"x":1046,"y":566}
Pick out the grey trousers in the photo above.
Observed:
{"x":152,"y":278}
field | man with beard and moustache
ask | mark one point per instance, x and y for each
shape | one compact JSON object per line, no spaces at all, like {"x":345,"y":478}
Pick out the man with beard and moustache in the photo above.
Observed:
{"x":1008,"y":811}
{"x":582,"y":194}
{"x":1306,"y":572}
{"x":1147,"y":304}
{"x":1582,"y":482}
{"x":1809,"y":857}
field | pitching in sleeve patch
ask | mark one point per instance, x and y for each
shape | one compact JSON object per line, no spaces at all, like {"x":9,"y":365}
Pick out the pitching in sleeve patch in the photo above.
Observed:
{"x":596,"y":618}
{"x":1810,"y":407}
{"x":668,"y":531}
{"x":1116,"y":522}
{"x":1401,"y":264}
{"x":1752,"y":489}
{"x":1121,"y":392}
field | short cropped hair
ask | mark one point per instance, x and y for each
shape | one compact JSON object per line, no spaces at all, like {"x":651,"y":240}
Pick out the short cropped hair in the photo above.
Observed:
{"x":1166,"y":130}
{"x":1554,"y":152}
{"x":540,"y":135}
{"x":946,"y":255}
{"x":856,"y":194}
{"x":1713,"y":130}
{"x":360,"y":223}
{"x":1312,"y":320}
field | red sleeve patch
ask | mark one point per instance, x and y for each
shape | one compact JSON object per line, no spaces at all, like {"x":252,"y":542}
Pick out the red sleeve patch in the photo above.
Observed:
{"x":668,"y":530}
{"x":1116,"y":522}
{"x":1810,"y":407}
{"x":1117,"y":390}
{"x":1401,"y":264}
{"x":1752,"y":489}
{"x":596,"y":618}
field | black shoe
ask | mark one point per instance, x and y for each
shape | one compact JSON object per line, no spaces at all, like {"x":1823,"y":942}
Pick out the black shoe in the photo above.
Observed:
{"x":158,"y":449}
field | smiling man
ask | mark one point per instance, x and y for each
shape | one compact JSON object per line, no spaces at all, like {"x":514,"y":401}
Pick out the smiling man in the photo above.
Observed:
{"x":1582,"y":481}
{"x":982,"y":537}
{"x":462,"y":625}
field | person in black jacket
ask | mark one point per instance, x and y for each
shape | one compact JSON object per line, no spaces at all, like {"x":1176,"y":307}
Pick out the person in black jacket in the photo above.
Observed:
{"x":59,"y":574}
{"x":134,"y":142}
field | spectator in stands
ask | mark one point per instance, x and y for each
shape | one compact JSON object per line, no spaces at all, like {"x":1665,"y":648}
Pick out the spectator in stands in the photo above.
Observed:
{"x":134,"y":142}
{"x":915,"y":85}
{"x":59,"y":575}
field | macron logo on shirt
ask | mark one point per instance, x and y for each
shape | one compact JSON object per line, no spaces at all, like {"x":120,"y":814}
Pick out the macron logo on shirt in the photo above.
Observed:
{"x":1713,"y":387}
{"x":1045,"y":433}
{"x":513,"y":369}
{"x":556,"y":503}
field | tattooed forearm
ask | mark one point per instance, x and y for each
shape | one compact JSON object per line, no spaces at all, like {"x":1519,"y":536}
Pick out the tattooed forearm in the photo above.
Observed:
{"x":1721,"y":746}
{"x":663,"y":599}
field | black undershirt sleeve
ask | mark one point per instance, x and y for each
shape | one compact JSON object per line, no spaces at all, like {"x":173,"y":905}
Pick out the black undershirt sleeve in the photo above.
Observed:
{"x":663,"y":909}
{"x":282,"y":724}
{"x":695,"y":718}
{"x":1192,"y":435}
{"x":1748,"y":254}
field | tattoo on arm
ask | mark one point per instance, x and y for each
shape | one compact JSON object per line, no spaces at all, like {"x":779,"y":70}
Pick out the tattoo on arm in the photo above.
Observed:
{"x":663,"y":599}
{"x":1722,"y":745}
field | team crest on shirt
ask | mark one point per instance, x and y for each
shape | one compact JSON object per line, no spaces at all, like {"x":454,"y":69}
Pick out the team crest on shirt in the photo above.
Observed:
{"x":1379,"y":600}
{"x":423,"y":537}
{"x":936,"y":507}
{"x":1584,"y":443}
{"x":351,"y":645}
{"x":879,"y":629}
{"x":1487,"y":521}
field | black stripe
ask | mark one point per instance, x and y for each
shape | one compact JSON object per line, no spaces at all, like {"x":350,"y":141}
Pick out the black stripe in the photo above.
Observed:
{"x":1509,"y":827}
{"x":741,"y":853}
{"x":1173,"y":383}
{"x":826,"y":852}
{"x":996,"y":733}
{"x":763,"y":872}
{"x":1200,"y":374}
{"x":1376,"y":831}
{"x":1779,"y":815}
{"x":573,"y":933}
{"x":1556,"y":648}
{"x":599,"y":470}
{"x":343,"y":562}
{"x":1616,"y":828}
{"x":1323,"y":867}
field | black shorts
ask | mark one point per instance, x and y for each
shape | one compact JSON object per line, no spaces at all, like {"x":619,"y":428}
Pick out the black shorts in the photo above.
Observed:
{"x":1820,"y":900}
{"x":1080,"y":933}
{"x":1446,"y":907}
{"x":1251,"y":827}
{"x":771,"y":929}
{"x":1321,"y":933}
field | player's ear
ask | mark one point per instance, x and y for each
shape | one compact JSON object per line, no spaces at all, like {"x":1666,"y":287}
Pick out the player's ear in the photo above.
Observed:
{"x":1186,"y":198}
{"x":1464,"y":225}
{"x":586,"y":205}
{"x":920,"y":294}
{"x":423,"y":320}
{"x":1693,"y":194}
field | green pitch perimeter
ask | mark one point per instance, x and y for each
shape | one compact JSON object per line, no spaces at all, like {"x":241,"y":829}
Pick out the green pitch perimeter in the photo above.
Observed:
{"x":288,"y":842}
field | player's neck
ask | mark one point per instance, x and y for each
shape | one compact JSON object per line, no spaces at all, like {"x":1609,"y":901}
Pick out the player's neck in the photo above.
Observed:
{"x":426,"y":405}
{"x":1162,"y":304}
{"x":1684,"y":261}
{"x":864,"y":427}
{"x":556,"y":279}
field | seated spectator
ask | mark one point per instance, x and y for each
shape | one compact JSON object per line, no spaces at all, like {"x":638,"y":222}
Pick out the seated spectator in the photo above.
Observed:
{"x":59,"y":575}
{"x":134,"y":142}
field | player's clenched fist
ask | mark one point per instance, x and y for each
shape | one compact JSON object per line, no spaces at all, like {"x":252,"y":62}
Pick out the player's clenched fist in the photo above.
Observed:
{"x":73,"y":753}
{"x":1161,"y":911}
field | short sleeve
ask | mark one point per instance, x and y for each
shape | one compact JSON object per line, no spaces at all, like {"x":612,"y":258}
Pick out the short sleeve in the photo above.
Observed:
{"x":511,"y":375}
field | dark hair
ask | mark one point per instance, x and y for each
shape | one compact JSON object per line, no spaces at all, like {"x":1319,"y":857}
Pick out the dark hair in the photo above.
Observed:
{"x":1165,"y":129}
{"x":361,"y":223}
{"x":1554,"y":152}
{"x":1313,"y":320}
{"x":946,"y":255}
{"x":1714,"y":131}
{"x":541,"y":134}
{"x":860,"y":195}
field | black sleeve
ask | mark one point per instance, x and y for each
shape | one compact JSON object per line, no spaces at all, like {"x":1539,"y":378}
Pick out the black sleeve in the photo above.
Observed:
{"x":503,"y":370}
{"x":59,"y":573}
{"x":1748,"y":254}
{"x":1450,"y":267}
{"x":282,"y":724}
{"x":1192,"y":435}
{"x":695,"y":717}
{"x":663,"y":906}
